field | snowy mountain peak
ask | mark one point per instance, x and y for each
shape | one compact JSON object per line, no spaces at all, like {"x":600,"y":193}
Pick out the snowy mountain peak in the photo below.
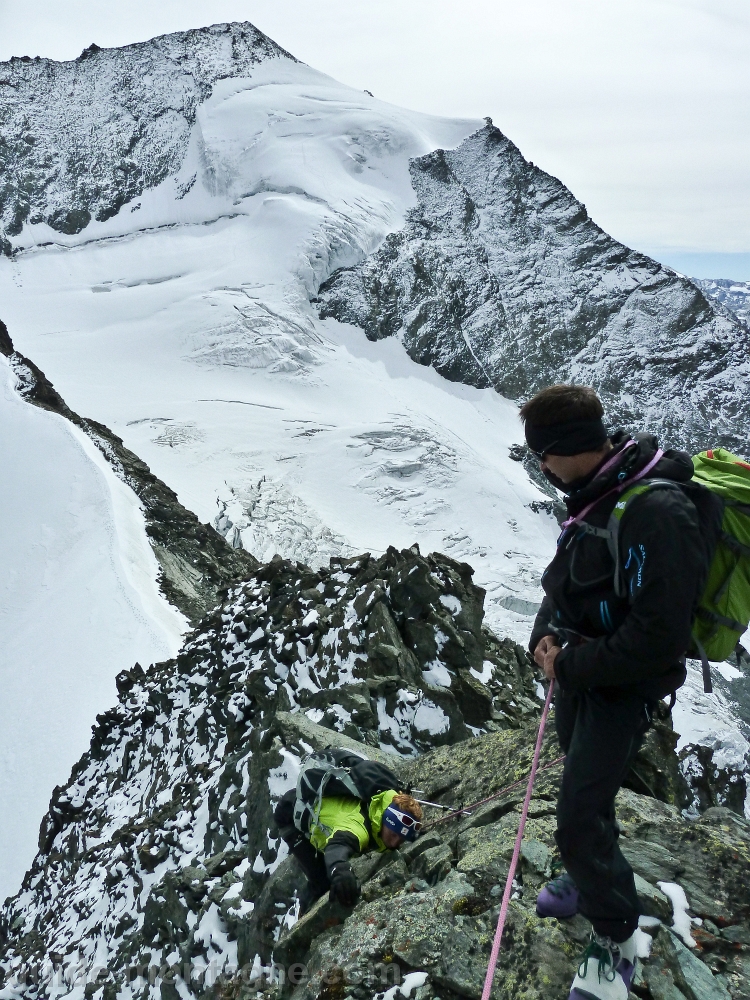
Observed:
{"x":733,"y":295}
{"x":500,"y":278}
{"x":84,"y":137}
{"x":170,"y":212}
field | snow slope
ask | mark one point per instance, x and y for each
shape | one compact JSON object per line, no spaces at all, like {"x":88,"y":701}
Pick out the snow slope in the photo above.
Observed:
{"x":186,"y":327}
{"x":183,"y":322}
{"x":78,"y":602}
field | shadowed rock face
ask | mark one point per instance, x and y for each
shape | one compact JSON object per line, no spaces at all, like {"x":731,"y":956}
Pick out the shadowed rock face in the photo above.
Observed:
{"x":79,"y":139}
{"x":500,"y":278}
{"x":159,"y":857}
{"x":172,"y":804}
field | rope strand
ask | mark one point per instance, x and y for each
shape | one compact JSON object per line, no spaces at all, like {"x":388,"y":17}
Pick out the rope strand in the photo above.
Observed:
{"x":516,"y":852}
{"x":495,"y":795}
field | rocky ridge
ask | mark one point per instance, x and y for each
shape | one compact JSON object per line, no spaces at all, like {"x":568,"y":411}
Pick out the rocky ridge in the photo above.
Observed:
{"x":389,"y":652}
{"x":500,"y":278}
{"x":196,"y":562}
{"x":159,"y":873}
{"x":80,"y":139}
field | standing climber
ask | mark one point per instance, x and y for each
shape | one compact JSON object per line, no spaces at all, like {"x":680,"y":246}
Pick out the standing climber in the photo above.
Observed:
{"x":614,"y":649}
{"x":345,"y":826}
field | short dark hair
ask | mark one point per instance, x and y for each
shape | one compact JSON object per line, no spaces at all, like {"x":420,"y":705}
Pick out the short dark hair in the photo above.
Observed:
{"x":561,"y":404}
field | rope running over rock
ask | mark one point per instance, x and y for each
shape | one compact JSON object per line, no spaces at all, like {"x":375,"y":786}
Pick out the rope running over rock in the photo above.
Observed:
{"x":495,"y":795}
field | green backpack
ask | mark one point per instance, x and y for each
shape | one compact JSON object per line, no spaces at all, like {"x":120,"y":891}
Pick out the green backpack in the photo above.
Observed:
{"x":724,"y":609}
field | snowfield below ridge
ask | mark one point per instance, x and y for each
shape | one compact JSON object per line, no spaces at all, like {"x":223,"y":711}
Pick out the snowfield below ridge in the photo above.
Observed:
{"x":78,"y":603}
{"x":184,"y":324}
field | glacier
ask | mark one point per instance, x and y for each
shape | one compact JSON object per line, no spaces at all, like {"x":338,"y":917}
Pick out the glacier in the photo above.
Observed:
{"x":184,"y":324}
{"x":167,"y":275}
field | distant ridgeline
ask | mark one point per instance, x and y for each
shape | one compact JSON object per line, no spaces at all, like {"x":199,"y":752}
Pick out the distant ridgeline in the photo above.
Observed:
{"x":735,"y":295}
{"x":498,"y":277}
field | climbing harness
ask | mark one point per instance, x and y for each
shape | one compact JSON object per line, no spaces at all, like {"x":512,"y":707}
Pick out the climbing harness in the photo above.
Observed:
{"x":516,"y":851}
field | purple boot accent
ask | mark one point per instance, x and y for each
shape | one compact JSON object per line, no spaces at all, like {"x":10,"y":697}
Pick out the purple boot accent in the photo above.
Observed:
{"x":627,"y":971}
{"x":558,"y":899}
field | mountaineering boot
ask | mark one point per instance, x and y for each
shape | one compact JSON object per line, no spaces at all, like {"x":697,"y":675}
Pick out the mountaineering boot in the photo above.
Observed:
{"x":606,"y":970}
{"x":628,"y":959}
{"x":559,"y":898}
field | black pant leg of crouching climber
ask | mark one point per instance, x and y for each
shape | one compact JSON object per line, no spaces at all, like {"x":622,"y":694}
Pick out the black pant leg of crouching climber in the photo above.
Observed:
{"x":311,"y":861}
{"x":600,"y":733}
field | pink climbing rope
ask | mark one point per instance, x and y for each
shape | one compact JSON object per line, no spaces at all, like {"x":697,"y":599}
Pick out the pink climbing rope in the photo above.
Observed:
{"x":516,"y":852}
{"x":620,"y":488}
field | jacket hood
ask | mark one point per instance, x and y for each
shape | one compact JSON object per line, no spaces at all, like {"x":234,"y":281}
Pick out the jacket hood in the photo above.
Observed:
{"x":674,"y":465}
{"x":378,"y":805}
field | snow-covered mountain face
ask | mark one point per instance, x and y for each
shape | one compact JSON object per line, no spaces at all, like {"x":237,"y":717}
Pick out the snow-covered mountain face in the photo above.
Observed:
{"x":735,"y":295}
{"x":500,"y":278}
{"x":184,"y":324}
{"x":79,"y":603}
{"x":81,"y":139}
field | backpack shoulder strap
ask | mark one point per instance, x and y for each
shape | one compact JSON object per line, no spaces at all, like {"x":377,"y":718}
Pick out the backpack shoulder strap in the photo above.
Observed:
{"x":645,"y":486}
{"x":317,"y":771}
{"x":618,"y":512}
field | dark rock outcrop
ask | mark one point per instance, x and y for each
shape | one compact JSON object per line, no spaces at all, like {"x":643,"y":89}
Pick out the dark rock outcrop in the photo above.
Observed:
{"x":711,"y":783}
{"x":500,"y":278}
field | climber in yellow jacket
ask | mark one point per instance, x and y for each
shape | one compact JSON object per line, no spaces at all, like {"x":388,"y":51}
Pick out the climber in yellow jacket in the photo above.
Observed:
{"x":344,"y":827}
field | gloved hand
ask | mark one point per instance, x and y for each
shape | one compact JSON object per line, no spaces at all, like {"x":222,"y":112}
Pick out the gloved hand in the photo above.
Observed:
{"x":345,"y":887}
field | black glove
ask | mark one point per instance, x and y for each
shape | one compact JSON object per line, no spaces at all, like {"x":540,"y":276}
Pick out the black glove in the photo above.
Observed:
{"x":345,"y":887}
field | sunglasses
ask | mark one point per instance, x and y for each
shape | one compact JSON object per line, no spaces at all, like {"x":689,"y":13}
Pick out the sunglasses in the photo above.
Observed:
{"x":405,"y":819}
{"x":540,"y":454}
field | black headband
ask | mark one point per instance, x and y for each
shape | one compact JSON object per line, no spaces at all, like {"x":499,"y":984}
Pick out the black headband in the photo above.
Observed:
{"x":572,"y":438}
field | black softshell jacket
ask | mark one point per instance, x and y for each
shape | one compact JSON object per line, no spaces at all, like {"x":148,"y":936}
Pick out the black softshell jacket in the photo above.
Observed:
{"x":635,"y":643}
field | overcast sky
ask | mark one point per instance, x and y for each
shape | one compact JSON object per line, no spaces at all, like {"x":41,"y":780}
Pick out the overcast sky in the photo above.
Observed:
{"x":642,"y":107}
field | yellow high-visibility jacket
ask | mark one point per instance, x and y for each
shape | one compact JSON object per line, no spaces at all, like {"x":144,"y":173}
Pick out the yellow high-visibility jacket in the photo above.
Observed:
{"x":340,"y":813}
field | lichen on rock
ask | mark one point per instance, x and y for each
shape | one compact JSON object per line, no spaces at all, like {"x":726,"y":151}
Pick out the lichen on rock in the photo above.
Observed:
{"x":160,"y":873}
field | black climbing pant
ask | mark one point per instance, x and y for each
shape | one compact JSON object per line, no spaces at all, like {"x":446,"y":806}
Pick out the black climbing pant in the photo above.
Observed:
{"x":600,"y":733}
{"x":311,"y":861}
